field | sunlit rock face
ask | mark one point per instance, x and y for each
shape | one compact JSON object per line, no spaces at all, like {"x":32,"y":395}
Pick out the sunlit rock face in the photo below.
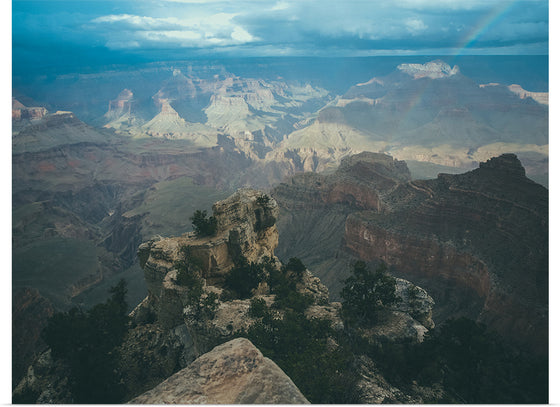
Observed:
{"x":433,"y":70}
{"x":21,"y":112}
{"x":233,"y":373}
{"x":245,"y":228}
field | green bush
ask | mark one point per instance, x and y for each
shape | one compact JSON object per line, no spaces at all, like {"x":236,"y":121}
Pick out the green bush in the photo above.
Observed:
{"x":202,"y":224}
{"x":366,"y":292}
{"x":477,"y":367}
{"x":185,"y":275}
{"x":87,"y":342}
{"x":258,"y":308}
{"x":208,"y":306}
{"x":263,"y":200}
{"x":244,"y":277}
{"x":299,"y":347}
{"x":472,"y":364}
{"x":283,"y":283}
{"x":296,"y":265}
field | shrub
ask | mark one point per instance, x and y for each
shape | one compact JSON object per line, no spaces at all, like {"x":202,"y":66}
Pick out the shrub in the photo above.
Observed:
{"x":185,"y":275}
{"x":472,"y":364}
{"x":87,"y":342}
{"x":202,"y":224}
{"x":283,"y":283}
{"x":297,"y":266}
{"x":299,"y":347}
{"x":263,"y":200}
{"x":258,"y":308}
{"x":244,"y":277}
{"x":366,"y":292}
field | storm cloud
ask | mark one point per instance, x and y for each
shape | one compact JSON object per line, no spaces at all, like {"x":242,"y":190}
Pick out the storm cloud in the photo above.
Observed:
{"x":149,"y":29}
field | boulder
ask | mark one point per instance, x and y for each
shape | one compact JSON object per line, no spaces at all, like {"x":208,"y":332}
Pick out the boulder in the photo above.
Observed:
{"x":233,"y":373}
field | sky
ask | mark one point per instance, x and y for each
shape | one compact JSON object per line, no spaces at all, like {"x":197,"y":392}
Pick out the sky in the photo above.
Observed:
{"x":54,"y":32}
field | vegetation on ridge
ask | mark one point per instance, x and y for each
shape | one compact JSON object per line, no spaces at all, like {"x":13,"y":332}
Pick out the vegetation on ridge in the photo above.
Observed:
{"x":202,"y":224}
{"x":88,"y":343}
{"x":302,"y":347}
{"x":366,"y":292}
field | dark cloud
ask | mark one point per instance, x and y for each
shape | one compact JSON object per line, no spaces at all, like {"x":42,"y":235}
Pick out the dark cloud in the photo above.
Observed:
{"x":283,"y":27}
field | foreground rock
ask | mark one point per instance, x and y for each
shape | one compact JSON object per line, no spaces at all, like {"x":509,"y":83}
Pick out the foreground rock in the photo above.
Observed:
{"x":233,"y":373}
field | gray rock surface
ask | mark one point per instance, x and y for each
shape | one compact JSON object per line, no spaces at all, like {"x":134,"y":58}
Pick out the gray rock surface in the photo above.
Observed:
{"x":233,"y":373}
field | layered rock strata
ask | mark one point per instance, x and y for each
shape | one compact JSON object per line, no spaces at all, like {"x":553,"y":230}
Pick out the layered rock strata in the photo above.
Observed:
{"x":476,"y":241}
{"x":245,"y":229}
{"x":485,"y":230}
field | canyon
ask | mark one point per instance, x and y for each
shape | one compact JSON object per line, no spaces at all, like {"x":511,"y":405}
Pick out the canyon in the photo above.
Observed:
{"x":420,"y":167}
{"x":478,"y":241}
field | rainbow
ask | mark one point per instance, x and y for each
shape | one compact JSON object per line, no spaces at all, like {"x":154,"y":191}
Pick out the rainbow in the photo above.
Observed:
{"x":488,"y":21}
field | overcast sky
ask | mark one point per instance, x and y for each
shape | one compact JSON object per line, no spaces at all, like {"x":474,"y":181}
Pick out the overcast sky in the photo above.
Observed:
{"x":48,"y":31}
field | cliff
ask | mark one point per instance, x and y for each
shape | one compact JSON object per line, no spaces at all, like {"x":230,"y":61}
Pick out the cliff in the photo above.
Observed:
{"x":55,"y":130}
{"x":245,"y":228}
{"x":478,"y":242}
{"x":485,"y":231}
{"x":23,"y":113}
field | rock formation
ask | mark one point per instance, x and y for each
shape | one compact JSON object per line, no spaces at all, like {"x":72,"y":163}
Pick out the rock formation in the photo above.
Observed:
{"x":540,"y":97}
{"x":476,"y":241}
{"x":21,"y":112}
{"x":246,"y":228}
{"x":122,"y":105}
{"x":178,"y":322}
{"x":430,"y":113}
{"x":57,"y":129}
{"x":232,"y":373}
{"x":433,"y":70}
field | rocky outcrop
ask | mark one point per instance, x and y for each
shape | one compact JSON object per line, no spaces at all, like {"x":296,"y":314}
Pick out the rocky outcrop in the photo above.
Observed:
{"x":539,"y":97}
{"x":359,"y":182}
{"x":233,"y":373}
{"x":120,"y":106}
{"x":168,"y":124}
{"x":433,"y":70}
{"x":54,"y":130}
{"x":245,"y":228}
{"x":21,"y":112}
